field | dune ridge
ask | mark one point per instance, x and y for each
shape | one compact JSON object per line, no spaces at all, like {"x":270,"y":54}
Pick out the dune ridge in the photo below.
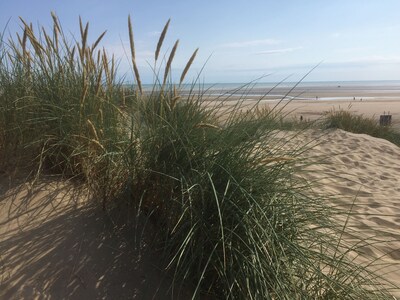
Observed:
{"x":361,"y":174}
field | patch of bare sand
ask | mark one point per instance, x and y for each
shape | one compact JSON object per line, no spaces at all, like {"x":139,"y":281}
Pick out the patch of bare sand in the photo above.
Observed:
{"x":54,"y":245}
{"x":362,"y":173}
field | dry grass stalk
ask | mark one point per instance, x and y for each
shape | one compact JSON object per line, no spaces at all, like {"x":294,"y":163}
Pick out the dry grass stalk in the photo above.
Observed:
{"x":139,"y":82}
{"x":132,"y":45}
{"x":97,"y":143}
{"x":187,"y":67}
{"x":161,"y":39}
{"x":207,"y":125}
{"x":15,"y":49}
{"x":131,"y":40}
{"x":49,"y":49}
{"x":71,"y":54}
{"x":84,"y":35}
{"x":98,"y":81}
{"x":92,"y":129}
{"x":99,"y":57}
{"x":112,"y":73}
{"x":89,"y":60}
{"x":24,"y":38}
{"x":55,"y":33}
{"x":169,"y":62}
{"x":96,"y":43}
{"x":56,"y":29}
{"x":26,"y":26}
{"x":85,"y":89}
{"x":106,"y":68}
{"x":29,"y":33}
{"x":26,"y":58}
{"x":55,"y":21}
{"x":49,"y":42}
{"x":174,"y":99}
{"x":19,"y":39}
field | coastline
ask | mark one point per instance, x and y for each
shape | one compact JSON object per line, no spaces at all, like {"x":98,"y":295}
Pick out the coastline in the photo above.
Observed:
{"x":312,"y":103}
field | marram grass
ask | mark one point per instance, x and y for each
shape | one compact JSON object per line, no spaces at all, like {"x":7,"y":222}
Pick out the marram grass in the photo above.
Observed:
{"x":348,"y":121}
{"x":232,"y":220}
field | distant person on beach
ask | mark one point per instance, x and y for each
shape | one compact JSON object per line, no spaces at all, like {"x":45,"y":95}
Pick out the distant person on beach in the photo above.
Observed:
{"x":301,"y":118}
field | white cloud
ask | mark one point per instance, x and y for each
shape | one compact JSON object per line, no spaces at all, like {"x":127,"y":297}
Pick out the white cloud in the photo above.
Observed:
{"x":279,"y":51}
{"x":252,"y":43}
{"x":369,"y":60}
{"x":353,"y":49}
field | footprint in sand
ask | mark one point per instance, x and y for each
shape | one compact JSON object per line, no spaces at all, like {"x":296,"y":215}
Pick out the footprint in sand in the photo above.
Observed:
{"x":375,"y":205}
{"x":346,"y":159}
{"x":366,"y":155}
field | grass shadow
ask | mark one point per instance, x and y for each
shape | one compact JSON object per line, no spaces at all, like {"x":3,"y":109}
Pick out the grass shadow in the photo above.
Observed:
{"x":53,"y":245}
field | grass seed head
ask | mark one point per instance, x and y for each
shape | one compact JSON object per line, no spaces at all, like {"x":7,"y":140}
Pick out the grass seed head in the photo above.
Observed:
{"x":187,"y":67}
{"x":161,"y":39}
{"x":169,"y":62}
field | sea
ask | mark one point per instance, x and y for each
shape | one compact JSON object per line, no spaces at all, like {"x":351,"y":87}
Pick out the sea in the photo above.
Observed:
{"x":306,"y":90}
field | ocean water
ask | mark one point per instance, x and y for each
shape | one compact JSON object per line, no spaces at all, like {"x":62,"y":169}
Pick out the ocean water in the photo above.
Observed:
{"x":317,"y":90}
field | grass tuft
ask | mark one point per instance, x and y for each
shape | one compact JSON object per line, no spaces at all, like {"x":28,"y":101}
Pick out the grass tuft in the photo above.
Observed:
{"x":347,"y":121}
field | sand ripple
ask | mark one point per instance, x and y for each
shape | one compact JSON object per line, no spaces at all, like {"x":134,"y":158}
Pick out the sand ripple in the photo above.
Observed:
{"x":363,"y":174}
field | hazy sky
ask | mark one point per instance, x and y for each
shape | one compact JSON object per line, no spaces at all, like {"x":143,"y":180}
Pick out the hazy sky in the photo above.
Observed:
{"x":354,"y":39}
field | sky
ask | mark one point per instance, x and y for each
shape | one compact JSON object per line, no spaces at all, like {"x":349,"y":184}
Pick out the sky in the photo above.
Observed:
{"x":238,"y":40}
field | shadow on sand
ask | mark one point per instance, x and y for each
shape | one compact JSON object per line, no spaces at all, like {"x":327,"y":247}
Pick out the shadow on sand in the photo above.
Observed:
{"x":54,"y":245}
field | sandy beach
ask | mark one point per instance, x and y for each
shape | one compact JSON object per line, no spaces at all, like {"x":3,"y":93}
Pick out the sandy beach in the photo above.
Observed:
{"x":313,"y":109}
{"x":313,"y":100}
{"x":361,"y":174}
{"x":55,"y":245}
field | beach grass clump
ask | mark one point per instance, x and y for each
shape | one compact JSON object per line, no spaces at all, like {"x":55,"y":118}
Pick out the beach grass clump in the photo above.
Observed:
{"x":351,"y":122}
{"x":60,"y":103}
{"x":232,"y":219}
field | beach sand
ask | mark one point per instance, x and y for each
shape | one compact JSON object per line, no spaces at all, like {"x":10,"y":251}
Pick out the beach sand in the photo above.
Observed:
{"x":54,"y":245}
{"x":313,"y":110}
{"x":313,"y":101}
{"x":362,"y":174}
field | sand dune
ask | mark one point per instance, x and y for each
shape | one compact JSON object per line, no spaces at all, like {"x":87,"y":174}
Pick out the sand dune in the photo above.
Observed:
{"x":53,"y":245}
{"x":362,"y":173}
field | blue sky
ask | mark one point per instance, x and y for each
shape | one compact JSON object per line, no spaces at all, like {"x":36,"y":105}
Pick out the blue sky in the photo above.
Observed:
{"x":240,"y":40}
